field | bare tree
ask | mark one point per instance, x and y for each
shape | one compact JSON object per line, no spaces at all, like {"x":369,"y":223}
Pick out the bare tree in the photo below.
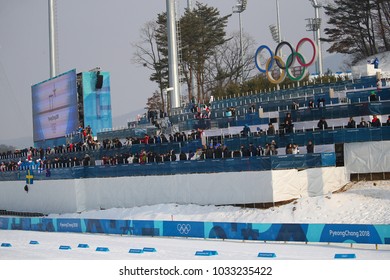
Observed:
{"x":225,"y":66}
{"x":148,"y":54}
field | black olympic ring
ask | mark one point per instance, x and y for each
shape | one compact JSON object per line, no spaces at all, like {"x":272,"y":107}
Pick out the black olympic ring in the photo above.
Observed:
{"x":278,"y":47}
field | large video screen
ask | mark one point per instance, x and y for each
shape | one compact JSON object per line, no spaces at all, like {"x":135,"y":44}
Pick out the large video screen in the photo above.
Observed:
{"x":54,"y":107}
{"x":97,"y":101}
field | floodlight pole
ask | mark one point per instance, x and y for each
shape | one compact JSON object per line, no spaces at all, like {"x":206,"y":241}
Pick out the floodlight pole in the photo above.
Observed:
{"x":239,"y":8}
{"x":189,"y":5}
{"x":279,"y":35}
{"x":52,"y":39}
{"x":278,"y":21}
{"x":165,"y":92}
{"x":172,"y":55}
{"x":317,"y":30}
{"x":241,"y":48}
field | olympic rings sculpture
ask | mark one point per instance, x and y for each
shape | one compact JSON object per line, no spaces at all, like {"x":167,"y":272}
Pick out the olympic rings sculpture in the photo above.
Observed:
{"x":285,"y":66}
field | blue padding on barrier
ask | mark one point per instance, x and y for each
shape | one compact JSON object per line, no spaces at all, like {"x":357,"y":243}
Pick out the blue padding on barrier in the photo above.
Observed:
{"x":328,"y":159}
{"x":206,"y":253}
{"x":202,"y":253}
{"x":6,"y":245}
{"x":146,"y":249}
{"x":237,"y":164}
{"x":34,"y":242}
{"x":102,"y":249}
{"x":211,"y":252}
{"x":345,"y":256}
{"x":65,"y":247}
{"x":136,"y":251}
{"x":266,"y":255}
{"x":329,"y":233}
{"x":83,"y":246}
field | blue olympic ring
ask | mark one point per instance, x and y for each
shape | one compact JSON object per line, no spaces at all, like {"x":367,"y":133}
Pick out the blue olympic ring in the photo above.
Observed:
{"x":295,"y":56}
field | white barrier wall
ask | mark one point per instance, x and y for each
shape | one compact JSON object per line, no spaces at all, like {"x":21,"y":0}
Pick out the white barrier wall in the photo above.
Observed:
{"x":367,"y":157}
{"x":69,"y":196}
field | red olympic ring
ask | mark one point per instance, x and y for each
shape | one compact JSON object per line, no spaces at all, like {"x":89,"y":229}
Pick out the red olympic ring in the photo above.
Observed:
{"x":314,"y":52}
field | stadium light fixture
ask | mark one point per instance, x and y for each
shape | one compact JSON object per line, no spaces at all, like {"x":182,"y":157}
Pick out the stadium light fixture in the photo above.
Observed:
{"x":239,"y":8}
{"x":314,"y":24}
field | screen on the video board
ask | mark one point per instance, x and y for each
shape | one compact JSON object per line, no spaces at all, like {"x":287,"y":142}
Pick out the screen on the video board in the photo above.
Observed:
{"x":54,"y":107}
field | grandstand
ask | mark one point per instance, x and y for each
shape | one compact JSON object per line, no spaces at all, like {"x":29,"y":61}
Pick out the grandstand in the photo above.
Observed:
{"x":196,"y":149}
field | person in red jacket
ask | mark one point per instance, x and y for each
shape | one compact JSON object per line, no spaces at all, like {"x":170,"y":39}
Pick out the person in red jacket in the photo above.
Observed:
{"x":146,"y":139}
{"x":375,"y":122}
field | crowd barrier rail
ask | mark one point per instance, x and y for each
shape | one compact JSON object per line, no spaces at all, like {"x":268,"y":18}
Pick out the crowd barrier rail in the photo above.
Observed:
{"x":317,"y":136}
{"x":340,"y":111}
{"x":256,"y":163}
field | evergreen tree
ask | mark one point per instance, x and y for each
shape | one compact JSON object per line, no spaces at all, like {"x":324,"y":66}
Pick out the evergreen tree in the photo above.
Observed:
{"x":202,"y":30}
{"x":358,"y":27}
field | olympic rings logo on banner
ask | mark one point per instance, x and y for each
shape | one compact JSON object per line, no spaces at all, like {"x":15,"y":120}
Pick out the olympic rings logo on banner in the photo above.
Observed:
{"x":183,"y":228}
{"x":285,"y":66}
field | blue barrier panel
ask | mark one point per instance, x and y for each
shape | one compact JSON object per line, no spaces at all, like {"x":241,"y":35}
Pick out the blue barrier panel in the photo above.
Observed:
{"x":375,"y":134}
{"x":149,"y":249}
{"x":69,"y":225}
{"x":367,"y":234}
{"x":34,"y":242}
{"x":296,"y":161}
{"x":333,"y":233}
{"x":385,"y":132}
{"x":351,"y":135}
{"x":83,"y":246}
{"x":328,"y":136}
{"x":65,"y":247}
{"x":313,"y":160}
{"x":345,"y":256}
{"x":6,"y":245}
{"x":136,"y":251}
{"x":266,"y":255}
{"x":281,"y":162}
{"x":211,"y":252}
{"x":184,"y":229}
{"x":203,"y":253}
{"x":5,"y":222}
{"x":102,"y":249}
{"x":299,"y":138}
{"x":328,"y":159}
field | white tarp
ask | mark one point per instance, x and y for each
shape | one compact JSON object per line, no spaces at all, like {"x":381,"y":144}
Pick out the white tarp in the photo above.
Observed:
{"x":69,"y":196}
{"x":367,"y":157}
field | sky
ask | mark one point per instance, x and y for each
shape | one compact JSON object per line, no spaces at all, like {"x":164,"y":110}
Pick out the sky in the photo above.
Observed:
{"x":362,"y":203}
{"x":101,"y":33}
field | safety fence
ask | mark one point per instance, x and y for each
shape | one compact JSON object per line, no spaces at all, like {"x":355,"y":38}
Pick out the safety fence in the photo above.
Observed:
{"x":258,"y":163}
{"x":318,"y":137}
{"x":341,"y":111}
{"x":332,"y":233}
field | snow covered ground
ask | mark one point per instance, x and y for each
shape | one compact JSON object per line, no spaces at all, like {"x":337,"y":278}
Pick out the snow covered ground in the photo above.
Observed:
{"x":364,"y":202}
{"x":361,"y":203}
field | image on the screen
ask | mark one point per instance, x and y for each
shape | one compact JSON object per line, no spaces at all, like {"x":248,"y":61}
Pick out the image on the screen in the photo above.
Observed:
{"x":54,"y":105}
{"x":97,"y":101}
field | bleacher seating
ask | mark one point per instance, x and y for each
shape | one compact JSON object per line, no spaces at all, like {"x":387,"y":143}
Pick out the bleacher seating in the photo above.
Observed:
{"x":350,"y":100}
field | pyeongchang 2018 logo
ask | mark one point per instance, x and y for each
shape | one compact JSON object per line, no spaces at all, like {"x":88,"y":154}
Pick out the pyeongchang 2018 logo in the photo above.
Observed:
{"x":183,"y":229}
{"x":68,"y":225}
